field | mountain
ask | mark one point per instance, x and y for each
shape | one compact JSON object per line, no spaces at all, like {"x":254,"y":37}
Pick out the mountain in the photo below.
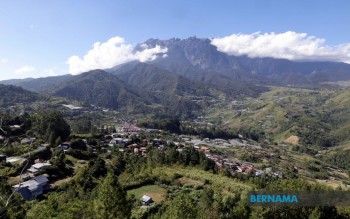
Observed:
{"x":192,"y":77}
{"x":38,"y":84}
{"x":178,"y":95}
{"x":11,"y":95}
{"x":289,"y":72}
{"x":99,"y":88}
{"x":151,"y":76}
{"x":194,"y":58}
{"x":198,"y":59}
{"x":140,"y":88}
{"x":157,"y":80}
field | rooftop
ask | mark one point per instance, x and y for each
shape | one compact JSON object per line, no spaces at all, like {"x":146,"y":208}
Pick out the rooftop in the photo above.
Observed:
{"x":146,"y":198}
{"x":40,"y":165}
{"x":41,"y":179}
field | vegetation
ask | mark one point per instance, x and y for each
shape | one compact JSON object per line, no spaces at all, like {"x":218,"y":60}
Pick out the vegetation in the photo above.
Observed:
{"x":53,"y":128}
{"x":183,"y":183}
{"x":12,"y":94}
{"x":94,"y":179}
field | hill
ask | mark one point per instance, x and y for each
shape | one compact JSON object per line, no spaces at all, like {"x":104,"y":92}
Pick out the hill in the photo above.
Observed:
{"x":44,"y":84}
{"x":11,"y":95}
{"x":99,"y":88}
{"x":178,"y":95}
{"x":314,"y":117}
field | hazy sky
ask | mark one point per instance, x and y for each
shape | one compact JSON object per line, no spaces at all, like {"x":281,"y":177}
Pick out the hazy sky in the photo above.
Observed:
{"x":37,"y":37}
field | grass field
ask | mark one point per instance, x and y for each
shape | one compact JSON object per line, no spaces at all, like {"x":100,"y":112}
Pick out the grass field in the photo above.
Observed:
{"x":157,"y":193}
{"x":217,"y":181}
{"x":188,"y":181}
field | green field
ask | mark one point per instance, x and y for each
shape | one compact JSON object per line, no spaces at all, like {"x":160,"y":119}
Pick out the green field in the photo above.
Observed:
{"x":157,"y":193}
{"x":218,"y":181}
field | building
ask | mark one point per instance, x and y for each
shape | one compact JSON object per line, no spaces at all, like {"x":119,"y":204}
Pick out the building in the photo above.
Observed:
{"x":13,"y":160}
{"x":31,"y":189}
{"x":25,"y":177}
{"x":34,"y":169}
{"x":146,"y":200}
{"x":40,"y":148}
{"x":131,"y":129}
{"x":118,"y":141}
{"x":38,"y":166}
{"x":26,"y":141}
{"x":64,"y":146}
{"x":15,"y":126}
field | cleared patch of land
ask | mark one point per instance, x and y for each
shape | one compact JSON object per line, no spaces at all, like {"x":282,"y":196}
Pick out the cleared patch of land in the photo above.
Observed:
{"x":156,"y":192}
{"x":292,"y":140}
{"x":188,"y":181}
{"x":13,"y":180}
{"x":62,"y":181}
{"x":206,"y":177}
{"x":332,"y":183}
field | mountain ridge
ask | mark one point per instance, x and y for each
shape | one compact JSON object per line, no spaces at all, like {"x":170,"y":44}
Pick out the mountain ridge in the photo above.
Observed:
{"x":14,"y":94}
{"x":195,"y":54}
{"x":198,"y":60}
{"x":97,"y":87}
{"x":193,"y":75}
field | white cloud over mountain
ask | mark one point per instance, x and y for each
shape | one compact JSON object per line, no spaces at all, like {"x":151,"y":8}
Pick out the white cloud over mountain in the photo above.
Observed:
{"x":289,"y":45}
{"x":111,"y":53}
{"x":24,"y":70}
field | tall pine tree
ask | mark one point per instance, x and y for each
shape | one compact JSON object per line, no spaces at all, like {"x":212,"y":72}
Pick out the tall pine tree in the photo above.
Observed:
{"x":111,"y":201}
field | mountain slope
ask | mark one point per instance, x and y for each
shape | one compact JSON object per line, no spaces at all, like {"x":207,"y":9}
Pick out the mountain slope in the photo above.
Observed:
{"x":44,"y":84}
{"x":196,"y":82}
{"x":179,"y":95}
{"x":285,"y":71}
{"x":156,"y":80}
{"x":13,"y":95}
{"x":99,"y":88}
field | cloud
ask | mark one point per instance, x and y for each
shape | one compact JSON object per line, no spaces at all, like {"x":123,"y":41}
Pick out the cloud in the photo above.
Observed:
{"x":3,"y":61}
{"x":53,"y":71}
{"x":111,"y":53}
{"x":289,"y":45}
{"x":24,"y":70}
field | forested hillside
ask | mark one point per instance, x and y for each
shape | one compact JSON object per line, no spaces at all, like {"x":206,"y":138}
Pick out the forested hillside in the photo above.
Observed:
{"x":12,"y":94}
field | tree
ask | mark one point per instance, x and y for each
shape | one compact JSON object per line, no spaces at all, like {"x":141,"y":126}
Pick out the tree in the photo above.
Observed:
{"x":118,"y":164}
{"x":58,"y":159}
{"x":111,"y":201}
{"x":82,"y":126}
{"x":205,"y":207}
{"x":97,"y":167}
{"x":78,"y":144}
{"x":183,"y":206}
{"x":52,"y":126}
{"x":84,"y":180}
{"x":51,"y":138}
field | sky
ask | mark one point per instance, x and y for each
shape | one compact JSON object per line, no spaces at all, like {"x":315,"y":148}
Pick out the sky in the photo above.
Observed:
{"x":46,"y":38}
